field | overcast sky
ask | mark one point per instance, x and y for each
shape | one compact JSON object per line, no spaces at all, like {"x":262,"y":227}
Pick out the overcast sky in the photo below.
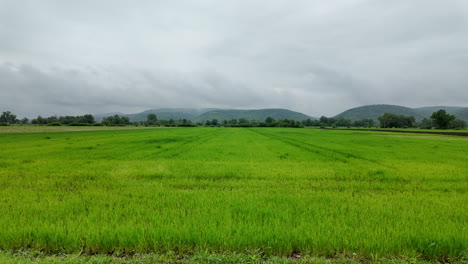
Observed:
{"x":314,"y":56}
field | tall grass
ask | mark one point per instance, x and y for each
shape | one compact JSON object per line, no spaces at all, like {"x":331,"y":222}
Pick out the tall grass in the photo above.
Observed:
{"x":281,"y":191}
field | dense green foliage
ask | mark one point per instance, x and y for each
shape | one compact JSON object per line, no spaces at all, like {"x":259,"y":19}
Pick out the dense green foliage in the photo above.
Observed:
{"x":374,"y":111}
{"x":277,"y":190}
{"x":116,"y":120}
{"x":459,"y":112}
{"x":8,"y":118}
{"x":257,"y":115}
{"x":169,"y":113}
{"x":388,"y":120}
{"x":338,"y":122}
{"x":65,"y":120}
{"x":457,"y":124}
{"x":269,"y":122}
{"x":204,"y":114}
{"x":442,"y":119}
{"x":151,"y":119}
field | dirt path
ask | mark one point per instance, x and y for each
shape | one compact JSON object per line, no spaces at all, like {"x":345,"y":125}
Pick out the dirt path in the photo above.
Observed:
{"x":463,"y":134}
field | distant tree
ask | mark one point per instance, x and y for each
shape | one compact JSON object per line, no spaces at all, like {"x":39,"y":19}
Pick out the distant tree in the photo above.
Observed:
{"x":308,"y":122}
{"x":116,"y":120}
{"x":254,"y":123}
{"x":67,"y":120}
{"x":365,"y":122}
{"x":457,"y":124}
{"x":88,"y":119}
{"x":233,"y":121}
{"x":8,"y":117}
{"x":324,"y":120}
{"x":389,"y":120}
{"x":214,"y":122}
{"x":342,"y":122}
{"x":442,"y":119}
{"x":52,"y":119}
{"x":270,"y":120}
{"x":332,"y":121}
{"x":24,"y":121}
{"x":208,"y":123}
{"x":151,"y":119}
{"x":426,"y":123}
{"x":39,"y":121}
{"x":243,"y":121}
{"x":125,"y":120}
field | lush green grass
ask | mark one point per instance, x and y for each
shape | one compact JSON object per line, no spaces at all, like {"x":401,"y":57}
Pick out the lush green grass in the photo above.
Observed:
{"x":280,"y":191}
{"x":398,"y":129}
{"x":64,"y":128}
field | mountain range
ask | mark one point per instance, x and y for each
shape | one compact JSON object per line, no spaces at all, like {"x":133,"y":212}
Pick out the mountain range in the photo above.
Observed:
{"x":200,"y":115}
{"x":368,"y":111}
{"x":374,"y":111}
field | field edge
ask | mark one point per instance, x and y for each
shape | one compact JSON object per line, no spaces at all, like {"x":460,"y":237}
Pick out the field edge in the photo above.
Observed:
{"x":19,"y":257}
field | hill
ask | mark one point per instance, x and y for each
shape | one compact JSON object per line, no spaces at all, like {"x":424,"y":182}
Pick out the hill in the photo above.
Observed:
{"x":170,"y":113}
{"x":202,"y":114}
{"x":161,"y":113}
{"x":374,"y":111}
{"x":99,"y":117}
{"x":453,"y":110}
{"x":258,"y":114}
{"x":462,"y":113}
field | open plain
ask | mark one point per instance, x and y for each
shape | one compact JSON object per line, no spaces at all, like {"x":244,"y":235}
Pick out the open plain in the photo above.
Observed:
{"x":278,"y":191}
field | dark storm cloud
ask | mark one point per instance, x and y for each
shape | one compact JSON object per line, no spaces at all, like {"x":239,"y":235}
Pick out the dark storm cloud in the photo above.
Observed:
{"x":319,"y":57}
{"x":59,"y":91}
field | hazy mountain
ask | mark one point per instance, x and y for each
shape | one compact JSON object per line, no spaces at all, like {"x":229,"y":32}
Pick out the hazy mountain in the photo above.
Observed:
{"x":462,"y":113}
{"x":428,"y":110}
{"x":170,"y":113}
{"x":374,"y":111}
{"x":161,"y":113}
{"x":368,"y":111}
{"x":99,"y":117}
{"x":198,"y":115}
{"x":258,"y":114}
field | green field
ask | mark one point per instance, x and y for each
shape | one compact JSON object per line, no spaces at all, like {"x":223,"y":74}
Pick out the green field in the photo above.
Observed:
{"x":276,"y":191}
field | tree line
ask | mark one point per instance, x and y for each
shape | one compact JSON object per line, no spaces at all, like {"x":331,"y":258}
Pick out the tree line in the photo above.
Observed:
{"x":439,"y":119}
{"x":339,"y":122}
{"x":152,"y":120}
{"x":64,"y":120}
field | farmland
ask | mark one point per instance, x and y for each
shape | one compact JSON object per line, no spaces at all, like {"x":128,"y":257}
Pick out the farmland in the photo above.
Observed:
{"x":279,"y":191}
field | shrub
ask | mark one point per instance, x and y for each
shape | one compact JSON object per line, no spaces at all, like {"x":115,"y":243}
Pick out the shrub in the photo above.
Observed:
{"x":186,"y":125}
{"x":54,"y":124}
{"x":79,"y":124}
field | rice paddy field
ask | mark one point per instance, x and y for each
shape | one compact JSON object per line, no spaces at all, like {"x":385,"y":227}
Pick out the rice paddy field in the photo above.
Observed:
{"x":277,"y":192}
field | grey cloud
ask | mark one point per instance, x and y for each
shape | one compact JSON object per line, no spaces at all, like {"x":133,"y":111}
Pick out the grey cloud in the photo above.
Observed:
{"x":78,"y":91}
{"x":319,"y":57}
